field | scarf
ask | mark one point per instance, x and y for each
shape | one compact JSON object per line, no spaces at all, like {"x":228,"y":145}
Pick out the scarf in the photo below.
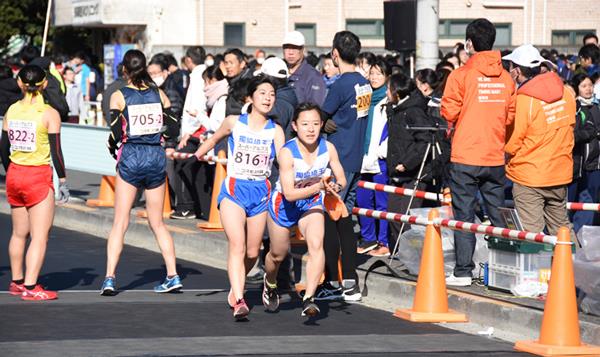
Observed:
{"x":330,"y":81}
{"x":585,"y":102}
{"x":376,"y":97}
{"x":215,"y":91}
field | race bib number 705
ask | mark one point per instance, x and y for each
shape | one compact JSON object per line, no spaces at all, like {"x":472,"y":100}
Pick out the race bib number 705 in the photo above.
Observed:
{"x":22,"y":135}
{"x":145,"y":119}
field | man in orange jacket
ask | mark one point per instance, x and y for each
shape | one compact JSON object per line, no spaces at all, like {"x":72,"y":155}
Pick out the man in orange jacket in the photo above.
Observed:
{"x":479,"y":101}
{"x":541,"y":143}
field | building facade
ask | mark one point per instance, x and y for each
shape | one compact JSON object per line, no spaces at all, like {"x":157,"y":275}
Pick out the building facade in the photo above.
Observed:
{"x":156,"y":25}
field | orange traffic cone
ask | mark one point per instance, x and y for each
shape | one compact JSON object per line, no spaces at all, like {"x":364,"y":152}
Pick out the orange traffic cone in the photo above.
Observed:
{"x":106,"y":197}
{"x":559,"y":334}
{"x":166,"y":205}
{"x":431,"y":299}
{"x":214,"y":221}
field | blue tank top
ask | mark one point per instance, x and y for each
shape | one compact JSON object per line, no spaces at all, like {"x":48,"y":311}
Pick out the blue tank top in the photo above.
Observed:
{"x":143,"y":116}
{"x":251,"y":153}
{"x":305,"y":174}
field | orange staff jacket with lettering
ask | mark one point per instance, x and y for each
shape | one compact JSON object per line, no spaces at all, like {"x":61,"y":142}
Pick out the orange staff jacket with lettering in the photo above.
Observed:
{"x":541,"y":143}
{"x":479,"y":99}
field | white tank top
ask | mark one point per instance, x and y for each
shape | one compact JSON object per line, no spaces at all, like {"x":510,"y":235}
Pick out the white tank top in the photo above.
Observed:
{"x":305,"y":174}
{"x":250,"y":154}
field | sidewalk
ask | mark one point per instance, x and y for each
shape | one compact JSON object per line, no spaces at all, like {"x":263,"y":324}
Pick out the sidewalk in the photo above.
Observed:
{"x":512,"y":318}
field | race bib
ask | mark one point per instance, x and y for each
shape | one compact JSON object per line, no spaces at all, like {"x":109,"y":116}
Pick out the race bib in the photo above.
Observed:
{"x":363,"y":100}
{"x":251,"y":159}
{"x":22,"y":135}
{"x":145,"y":119}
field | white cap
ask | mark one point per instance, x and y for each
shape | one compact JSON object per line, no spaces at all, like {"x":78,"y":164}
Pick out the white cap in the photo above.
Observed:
{"x":526,"y":56}
{"x":295,"y":38}
{"x":274,"y":67}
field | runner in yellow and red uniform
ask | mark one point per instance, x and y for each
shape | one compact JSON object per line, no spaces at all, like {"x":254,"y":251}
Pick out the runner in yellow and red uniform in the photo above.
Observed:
{"x":30,"y":137}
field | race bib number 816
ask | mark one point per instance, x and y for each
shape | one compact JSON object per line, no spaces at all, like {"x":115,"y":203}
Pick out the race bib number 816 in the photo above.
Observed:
{"x":145,"y":119}
{"x":22,"y":135}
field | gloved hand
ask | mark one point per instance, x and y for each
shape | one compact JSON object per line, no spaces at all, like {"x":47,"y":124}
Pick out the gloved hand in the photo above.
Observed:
{"x":330,"y":127}
{"x":63,"y":193}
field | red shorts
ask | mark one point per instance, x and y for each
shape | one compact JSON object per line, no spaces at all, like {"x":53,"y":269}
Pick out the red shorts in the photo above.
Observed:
{"x":26,"y":186}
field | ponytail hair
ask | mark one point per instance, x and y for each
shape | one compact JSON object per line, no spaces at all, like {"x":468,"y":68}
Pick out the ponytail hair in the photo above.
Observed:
{"x":134,"y":63}
{"x":33,"y":78}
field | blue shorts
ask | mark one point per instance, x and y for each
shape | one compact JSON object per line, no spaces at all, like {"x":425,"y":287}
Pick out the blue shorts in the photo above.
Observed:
{"x":252,"y":196}
{"x":287,"y":214}
{"x":143,"y":166}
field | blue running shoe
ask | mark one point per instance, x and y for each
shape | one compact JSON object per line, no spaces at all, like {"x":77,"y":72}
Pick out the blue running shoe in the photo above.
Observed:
{"x":108,"y":287}
{"x":170,"y":284}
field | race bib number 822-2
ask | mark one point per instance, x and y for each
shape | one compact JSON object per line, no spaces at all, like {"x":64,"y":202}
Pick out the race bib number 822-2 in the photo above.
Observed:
{"x":22,"y":135}
{"x":145,"y":119}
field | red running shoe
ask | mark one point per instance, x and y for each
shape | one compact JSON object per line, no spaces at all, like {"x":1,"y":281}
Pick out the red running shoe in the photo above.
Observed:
{"x":240,"y":310}
{"x":38,"y":293}
{"x":16,"y":289}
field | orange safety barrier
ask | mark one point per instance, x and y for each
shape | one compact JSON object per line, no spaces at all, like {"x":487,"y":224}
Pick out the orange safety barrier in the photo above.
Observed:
{"x":214,"y":221}
{"x":431,"y":298}
{"x":559,"y":334}
{"x":166,"y":205}
{"x":106,"y":197}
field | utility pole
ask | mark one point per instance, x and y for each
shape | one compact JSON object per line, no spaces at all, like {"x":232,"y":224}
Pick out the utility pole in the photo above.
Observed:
{"x":428,"y":17}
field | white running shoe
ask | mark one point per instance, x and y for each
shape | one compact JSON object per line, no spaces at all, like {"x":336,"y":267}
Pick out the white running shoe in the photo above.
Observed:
{"x":458,"y":280}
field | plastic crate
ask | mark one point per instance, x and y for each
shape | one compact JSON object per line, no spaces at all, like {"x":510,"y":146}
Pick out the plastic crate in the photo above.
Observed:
{"x":513,"y":262}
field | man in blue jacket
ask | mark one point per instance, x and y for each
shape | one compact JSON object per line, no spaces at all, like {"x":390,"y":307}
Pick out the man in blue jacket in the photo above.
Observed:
{"x":304,"y":78}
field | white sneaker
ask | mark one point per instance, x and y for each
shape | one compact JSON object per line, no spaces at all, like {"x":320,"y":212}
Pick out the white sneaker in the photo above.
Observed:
{"x":458,"y":280}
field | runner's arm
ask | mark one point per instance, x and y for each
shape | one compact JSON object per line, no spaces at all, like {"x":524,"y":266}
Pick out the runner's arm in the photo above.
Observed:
{"x":286,"y":177}
{"x":52,"y":117}
{"x":223,"y":131}
{"x":5,"y":145}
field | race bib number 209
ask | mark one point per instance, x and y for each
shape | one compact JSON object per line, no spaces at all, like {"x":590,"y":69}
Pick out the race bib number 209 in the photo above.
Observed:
{"x":145,"y":119}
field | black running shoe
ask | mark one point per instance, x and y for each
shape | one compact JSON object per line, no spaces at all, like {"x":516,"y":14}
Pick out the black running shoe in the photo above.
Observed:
{"x":270,"y":298}
{"x":309,"y":308}
{"x":326,"y":291}
{"x":183,"y":215}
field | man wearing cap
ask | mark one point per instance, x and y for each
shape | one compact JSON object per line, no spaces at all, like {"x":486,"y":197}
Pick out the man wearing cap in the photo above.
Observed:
{"x":541,"y":142}
{"x":305,"y":79}
{"x":479,"y":102}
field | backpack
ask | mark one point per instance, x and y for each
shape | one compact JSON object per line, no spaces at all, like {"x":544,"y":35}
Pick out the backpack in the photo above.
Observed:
{"x":54,"y":97}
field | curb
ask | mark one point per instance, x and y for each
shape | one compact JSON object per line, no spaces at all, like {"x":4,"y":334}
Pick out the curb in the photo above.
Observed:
{"x":385,"y":292}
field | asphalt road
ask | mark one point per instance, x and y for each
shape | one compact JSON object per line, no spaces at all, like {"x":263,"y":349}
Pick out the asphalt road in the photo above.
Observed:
{"x":197,"y":321}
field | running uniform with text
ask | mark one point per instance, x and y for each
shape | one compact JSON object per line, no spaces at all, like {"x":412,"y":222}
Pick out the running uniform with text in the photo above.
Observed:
{"x":249,"y":160}
{"x":29,"y":177}
{"x":142,"y":161}
{"x":286,"y":213}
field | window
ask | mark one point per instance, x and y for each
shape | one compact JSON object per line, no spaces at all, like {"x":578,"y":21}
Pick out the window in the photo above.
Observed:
{"x":310,"y":33}
{"x":234,"y":35}
{"x":457,"y":29}
{"x":569,"y":37}
{"x":366,"y":28}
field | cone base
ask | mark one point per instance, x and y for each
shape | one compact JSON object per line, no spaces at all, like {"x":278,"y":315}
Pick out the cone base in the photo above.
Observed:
{"x":210,"y":227}
{"x":414,"y":316}
{"x":99,"y":203}
{"x":550,"y":350}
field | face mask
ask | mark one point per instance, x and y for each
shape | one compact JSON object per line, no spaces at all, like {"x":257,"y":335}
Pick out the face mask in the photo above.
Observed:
{"x":158,"y":80}
{"x":260,"y":60}
{"x":209,"y":62}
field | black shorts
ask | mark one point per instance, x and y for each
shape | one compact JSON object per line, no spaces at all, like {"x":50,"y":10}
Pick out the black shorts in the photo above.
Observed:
{"x":143,"y":166}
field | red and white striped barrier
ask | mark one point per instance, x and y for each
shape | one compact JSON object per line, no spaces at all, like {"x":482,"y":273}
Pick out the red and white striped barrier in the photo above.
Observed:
{"x":457,"y":225}
{"x":438,"y":197}
{"x":403,"y":191}
{"x":394,"y":217}
{"x":208,"y":158}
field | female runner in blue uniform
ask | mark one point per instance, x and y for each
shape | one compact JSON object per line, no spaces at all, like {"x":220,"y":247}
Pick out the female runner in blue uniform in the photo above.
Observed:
{"x":139,"y":113}
{"x":254,"y":139}
{"x":304,"y":164}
